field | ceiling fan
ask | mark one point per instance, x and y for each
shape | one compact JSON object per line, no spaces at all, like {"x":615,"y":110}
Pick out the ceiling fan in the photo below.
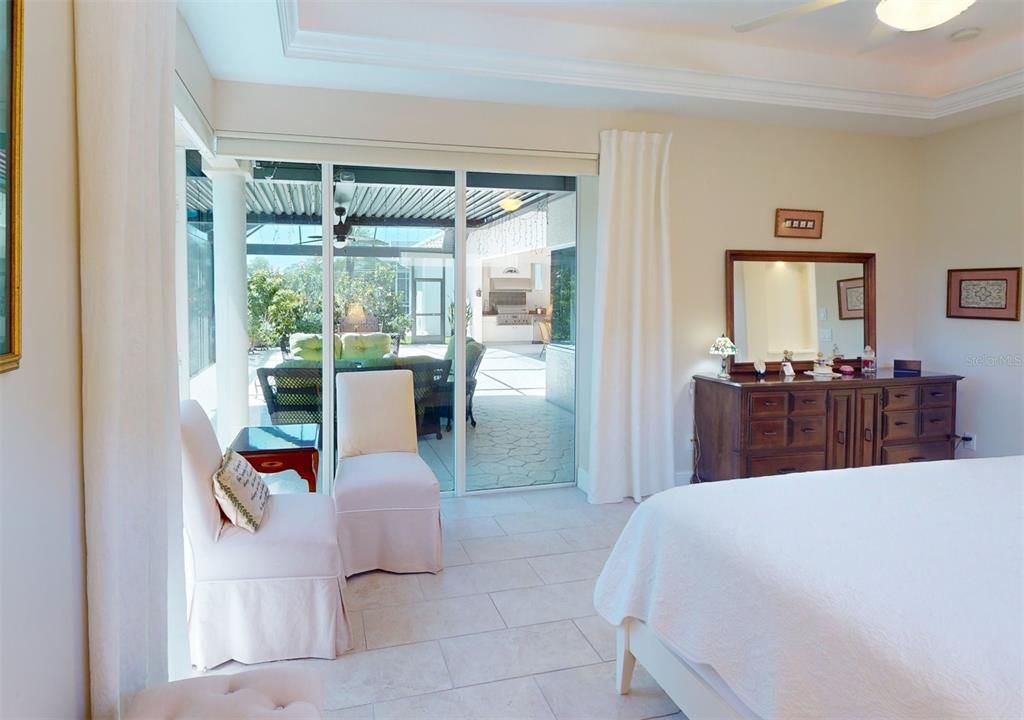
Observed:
{"x":894,"y":16}
{"x":344,"y":192}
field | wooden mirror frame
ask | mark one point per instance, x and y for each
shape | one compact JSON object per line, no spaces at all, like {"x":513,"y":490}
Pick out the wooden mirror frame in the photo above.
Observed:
{"x":867,"y":260}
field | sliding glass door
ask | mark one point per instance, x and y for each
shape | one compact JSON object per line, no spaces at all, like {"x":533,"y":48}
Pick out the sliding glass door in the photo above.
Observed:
{"x":521,"y":311}
{"x":467,"y":280}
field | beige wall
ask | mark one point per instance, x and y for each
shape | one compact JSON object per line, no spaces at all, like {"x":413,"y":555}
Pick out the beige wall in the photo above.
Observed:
{"x":42,"y":616}
{"x":974,"y":217}
{"x":727,"y":178}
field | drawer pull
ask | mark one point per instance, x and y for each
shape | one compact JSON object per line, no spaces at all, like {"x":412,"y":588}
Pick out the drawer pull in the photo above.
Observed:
{"x":785,"y":470}
{"x":901,"y":395}
{"x":270,"y":464}
{"x":936,"y":420}
{"x":770,"y":403}
{"x":869,"y":434}
{"x":807,"y":430}
{"x":769,"y":433}
{"x":841,"y":437}
{"x":938,"y":394}
{"x":917,"y":458}
{"x":809,"y":401}
{"x":901,"y":423}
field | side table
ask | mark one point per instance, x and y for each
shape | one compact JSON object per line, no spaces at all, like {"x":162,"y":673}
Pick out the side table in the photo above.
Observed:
{"x":273,"y":448}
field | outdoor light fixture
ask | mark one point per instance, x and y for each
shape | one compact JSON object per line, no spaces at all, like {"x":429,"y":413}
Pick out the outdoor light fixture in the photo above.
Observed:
{"x":914,"y":15}
{"x":510,"y":204}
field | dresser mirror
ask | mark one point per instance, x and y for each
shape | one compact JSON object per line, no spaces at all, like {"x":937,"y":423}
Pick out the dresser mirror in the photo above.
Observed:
{"x":803,"y":302}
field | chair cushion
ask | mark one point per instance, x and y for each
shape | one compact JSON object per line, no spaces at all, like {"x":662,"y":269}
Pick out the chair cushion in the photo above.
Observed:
{"x":365,"y":346}
{"x":240,"y":491}
{"x":385,"y":481}
{"x":297,"y":538}
{"x":375,"y":412}
{"x":279,"y":693}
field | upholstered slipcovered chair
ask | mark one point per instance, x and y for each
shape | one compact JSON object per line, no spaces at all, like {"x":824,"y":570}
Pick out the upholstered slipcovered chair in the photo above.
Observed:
{"x":255,"y":597}
{"x":387,"y":497}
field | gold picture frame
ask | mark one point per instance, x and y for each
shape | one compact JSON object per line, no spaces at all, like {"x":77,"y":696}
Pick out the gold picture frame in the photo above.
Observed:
{"x":10,"y":338}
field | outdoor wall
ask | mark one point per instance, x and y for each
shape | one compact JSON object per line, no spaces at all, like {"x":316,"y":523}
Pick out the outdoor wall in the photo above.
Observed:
{"x":726,"y":180}
{"x":43,"y":666}
{"x":974,"y":217}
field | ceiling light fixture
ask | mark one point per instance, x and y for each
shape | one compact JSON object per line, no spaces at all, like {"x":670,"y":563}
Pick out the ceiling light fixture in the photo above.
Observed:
{"x":915,"y":15}
{"x":510,"y":204}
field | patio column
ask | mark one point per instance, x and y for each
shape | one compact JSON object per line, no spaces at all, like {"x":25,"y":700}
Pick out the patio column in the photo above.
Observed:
{"x":230,"y":296}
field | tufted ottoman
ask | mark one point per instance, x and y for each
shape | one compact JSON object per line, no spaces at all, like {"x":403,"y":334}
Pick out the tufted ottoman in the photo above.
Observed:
{"x":271,"y":693}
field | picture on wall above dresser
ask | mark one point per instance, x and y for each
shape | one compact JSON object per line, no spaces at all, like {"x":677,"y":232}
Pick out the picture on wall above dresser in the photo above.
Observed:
{"x":983,"y":293}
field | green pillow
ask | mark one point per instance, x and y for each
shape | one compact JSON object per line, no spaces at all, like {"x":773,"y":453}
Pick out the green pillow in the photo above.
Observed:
{"x":365,"y":346}
{"x":301,"y":341}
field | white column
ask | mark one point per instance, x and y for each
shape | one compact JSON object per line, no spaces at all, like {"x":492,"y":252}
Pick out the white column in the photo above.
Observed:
{"x":230,"y":298}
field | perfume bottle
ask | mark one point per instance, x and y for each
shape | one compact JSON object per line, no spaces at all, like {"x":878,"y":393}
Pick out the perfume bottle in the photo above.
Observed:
{"x":868,"y":365}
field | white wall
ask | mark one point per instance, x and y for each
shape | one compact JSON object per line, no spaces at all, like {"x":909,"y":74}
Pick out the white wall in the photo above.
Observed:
{"x":43,"y":666}
{"x":974,"y":217}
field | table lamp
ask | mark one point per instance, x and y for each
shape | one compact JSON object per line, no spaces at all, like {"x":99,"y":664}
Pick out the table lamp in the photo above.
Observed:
{"x":724,"y":347}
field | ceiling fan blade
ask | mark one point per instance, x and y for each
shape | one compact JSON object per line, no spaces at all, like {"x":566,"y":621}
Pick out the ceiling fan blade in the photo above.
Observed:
{"x":794,"y":12}
{"x":880,"y":35}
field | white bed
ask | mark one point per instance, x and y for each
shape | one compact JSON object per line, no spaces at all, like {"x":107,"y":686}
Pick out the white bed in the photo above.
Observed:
{"x":879,"y":592}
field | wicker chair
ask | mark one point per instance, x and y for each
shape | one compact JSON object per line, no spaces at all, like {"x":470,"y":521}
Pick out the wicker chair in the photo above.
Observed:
{"x":474,"y":356}
{"x":293,"y":393}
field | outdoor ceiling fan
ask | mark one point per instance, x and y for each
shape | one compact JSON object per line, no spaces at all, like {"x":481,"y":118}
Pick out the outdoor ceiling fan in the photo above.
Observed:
{"x":894,"y":16}
{"x":344,"y":192}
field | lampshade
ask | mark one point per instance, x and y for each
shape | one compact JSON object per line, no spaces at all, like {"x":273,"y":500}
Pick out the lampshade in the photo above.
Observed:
{"x":723,"y":346}
{"x":510,"y":204}
{"x":356,"y":314}
{"x":914,"y":15}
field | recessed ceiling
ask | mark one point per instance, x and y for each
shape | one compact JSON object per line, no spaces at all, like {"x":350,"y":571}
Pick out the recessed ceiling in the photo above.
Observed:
{"x":838,"y":65}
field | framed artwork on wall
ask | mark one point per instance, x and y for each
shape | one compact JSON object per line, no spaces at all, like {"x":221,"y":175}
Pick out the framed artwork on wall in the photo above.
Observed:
{"x":983,"y":293}
{"x":10,"y":185}
{"x":799,"y":223}
{"x":851,"y":298}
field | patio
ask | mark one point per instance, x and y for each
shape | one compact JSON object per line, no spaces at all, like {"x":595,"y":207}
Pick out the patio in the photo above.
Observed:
{"x":520,"y":439}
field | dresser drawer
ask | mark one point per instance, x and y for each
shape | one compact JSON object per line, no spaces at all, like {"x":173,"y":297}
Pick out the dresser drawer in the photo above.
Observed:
{"x":768,"y":403}
{"x":917,"y":452}
{"x":767,"y":434}
{"x":807,"y":432}
{"x":899,"y":425}
{"x":786,"y":464}
{"x":936,"y":422}
{"x":807,"y":403}
{"x":936,"y":394}
{"x":902,"y":397}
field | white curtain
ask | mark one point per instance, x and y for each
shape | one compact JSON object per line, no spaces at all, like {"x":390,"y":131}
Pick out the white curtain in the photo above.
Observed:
{"x":631,"y":422}
{"x":124,"y":53}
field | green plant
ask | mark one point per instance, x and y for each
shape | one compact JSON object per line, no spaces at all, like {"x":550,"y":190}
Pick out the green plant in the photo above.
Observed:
{"x":451,"y":317}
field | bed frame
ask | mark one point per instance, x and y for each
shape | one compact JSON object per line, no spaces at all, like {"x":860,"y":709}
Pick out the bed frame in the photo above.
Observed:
{"x":698,"y":700}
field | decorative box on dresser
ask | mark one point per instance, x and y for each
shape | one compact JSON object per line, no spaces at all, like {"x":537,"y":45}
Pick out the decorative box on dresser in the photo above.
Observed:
{"x":747,"y":427}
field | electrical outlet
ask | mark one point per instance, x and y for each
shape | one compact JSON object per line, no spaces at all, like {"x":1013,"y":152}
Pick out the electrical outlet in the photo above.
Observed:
{"x":970,"y":442}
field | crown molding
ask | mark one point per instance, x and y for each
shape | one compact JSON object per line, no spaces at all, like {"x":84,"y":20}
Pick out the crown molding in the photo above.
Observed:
{"x":660,"y":80}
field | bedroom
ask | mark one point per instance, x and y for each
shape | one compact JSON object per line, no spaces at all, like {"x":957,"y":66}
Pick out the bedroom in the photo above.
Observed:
{"x":924,"y":187}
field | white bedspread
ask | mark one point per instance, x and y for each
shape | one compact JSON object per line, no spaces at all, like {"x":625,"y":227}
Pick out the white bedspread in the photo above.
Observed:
{"x":872,"y":593}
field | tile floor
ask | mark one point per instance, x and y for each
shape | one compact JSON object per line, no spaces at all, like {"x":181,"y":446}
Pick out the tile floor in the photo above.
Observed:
{"x":507,"y":630}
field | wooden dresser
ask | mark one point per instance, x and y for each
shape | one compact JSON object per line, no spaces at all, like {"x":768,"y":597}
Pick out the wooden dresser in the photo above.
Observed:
{"x":747,"y":427}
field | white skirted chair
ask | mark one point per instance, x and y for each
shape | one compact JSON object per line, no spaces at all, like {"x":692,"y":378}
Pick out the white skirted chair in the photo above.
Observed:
{"x":255,"y":597}
{"x":388,"y":499}
{"x":265,"y":694}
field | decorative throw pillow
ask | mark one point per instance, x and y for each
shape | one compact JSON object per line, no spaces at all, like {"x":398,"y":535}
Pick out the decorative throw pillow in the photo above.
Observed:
{"x":240,"y":491}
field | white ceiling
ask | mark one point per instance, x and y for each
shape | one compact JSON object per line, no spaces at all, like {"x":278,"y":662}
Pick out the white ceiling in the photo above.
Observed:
{"x":836,"y":67}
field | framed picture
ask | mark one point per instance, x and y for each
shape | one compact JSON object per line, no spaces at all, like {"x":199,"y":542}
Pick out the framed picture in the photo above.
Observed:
{"x":799,"y":223}
{"x":851,"y":298}
{"x":983,"y":293}
{"x":10,"y":185}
